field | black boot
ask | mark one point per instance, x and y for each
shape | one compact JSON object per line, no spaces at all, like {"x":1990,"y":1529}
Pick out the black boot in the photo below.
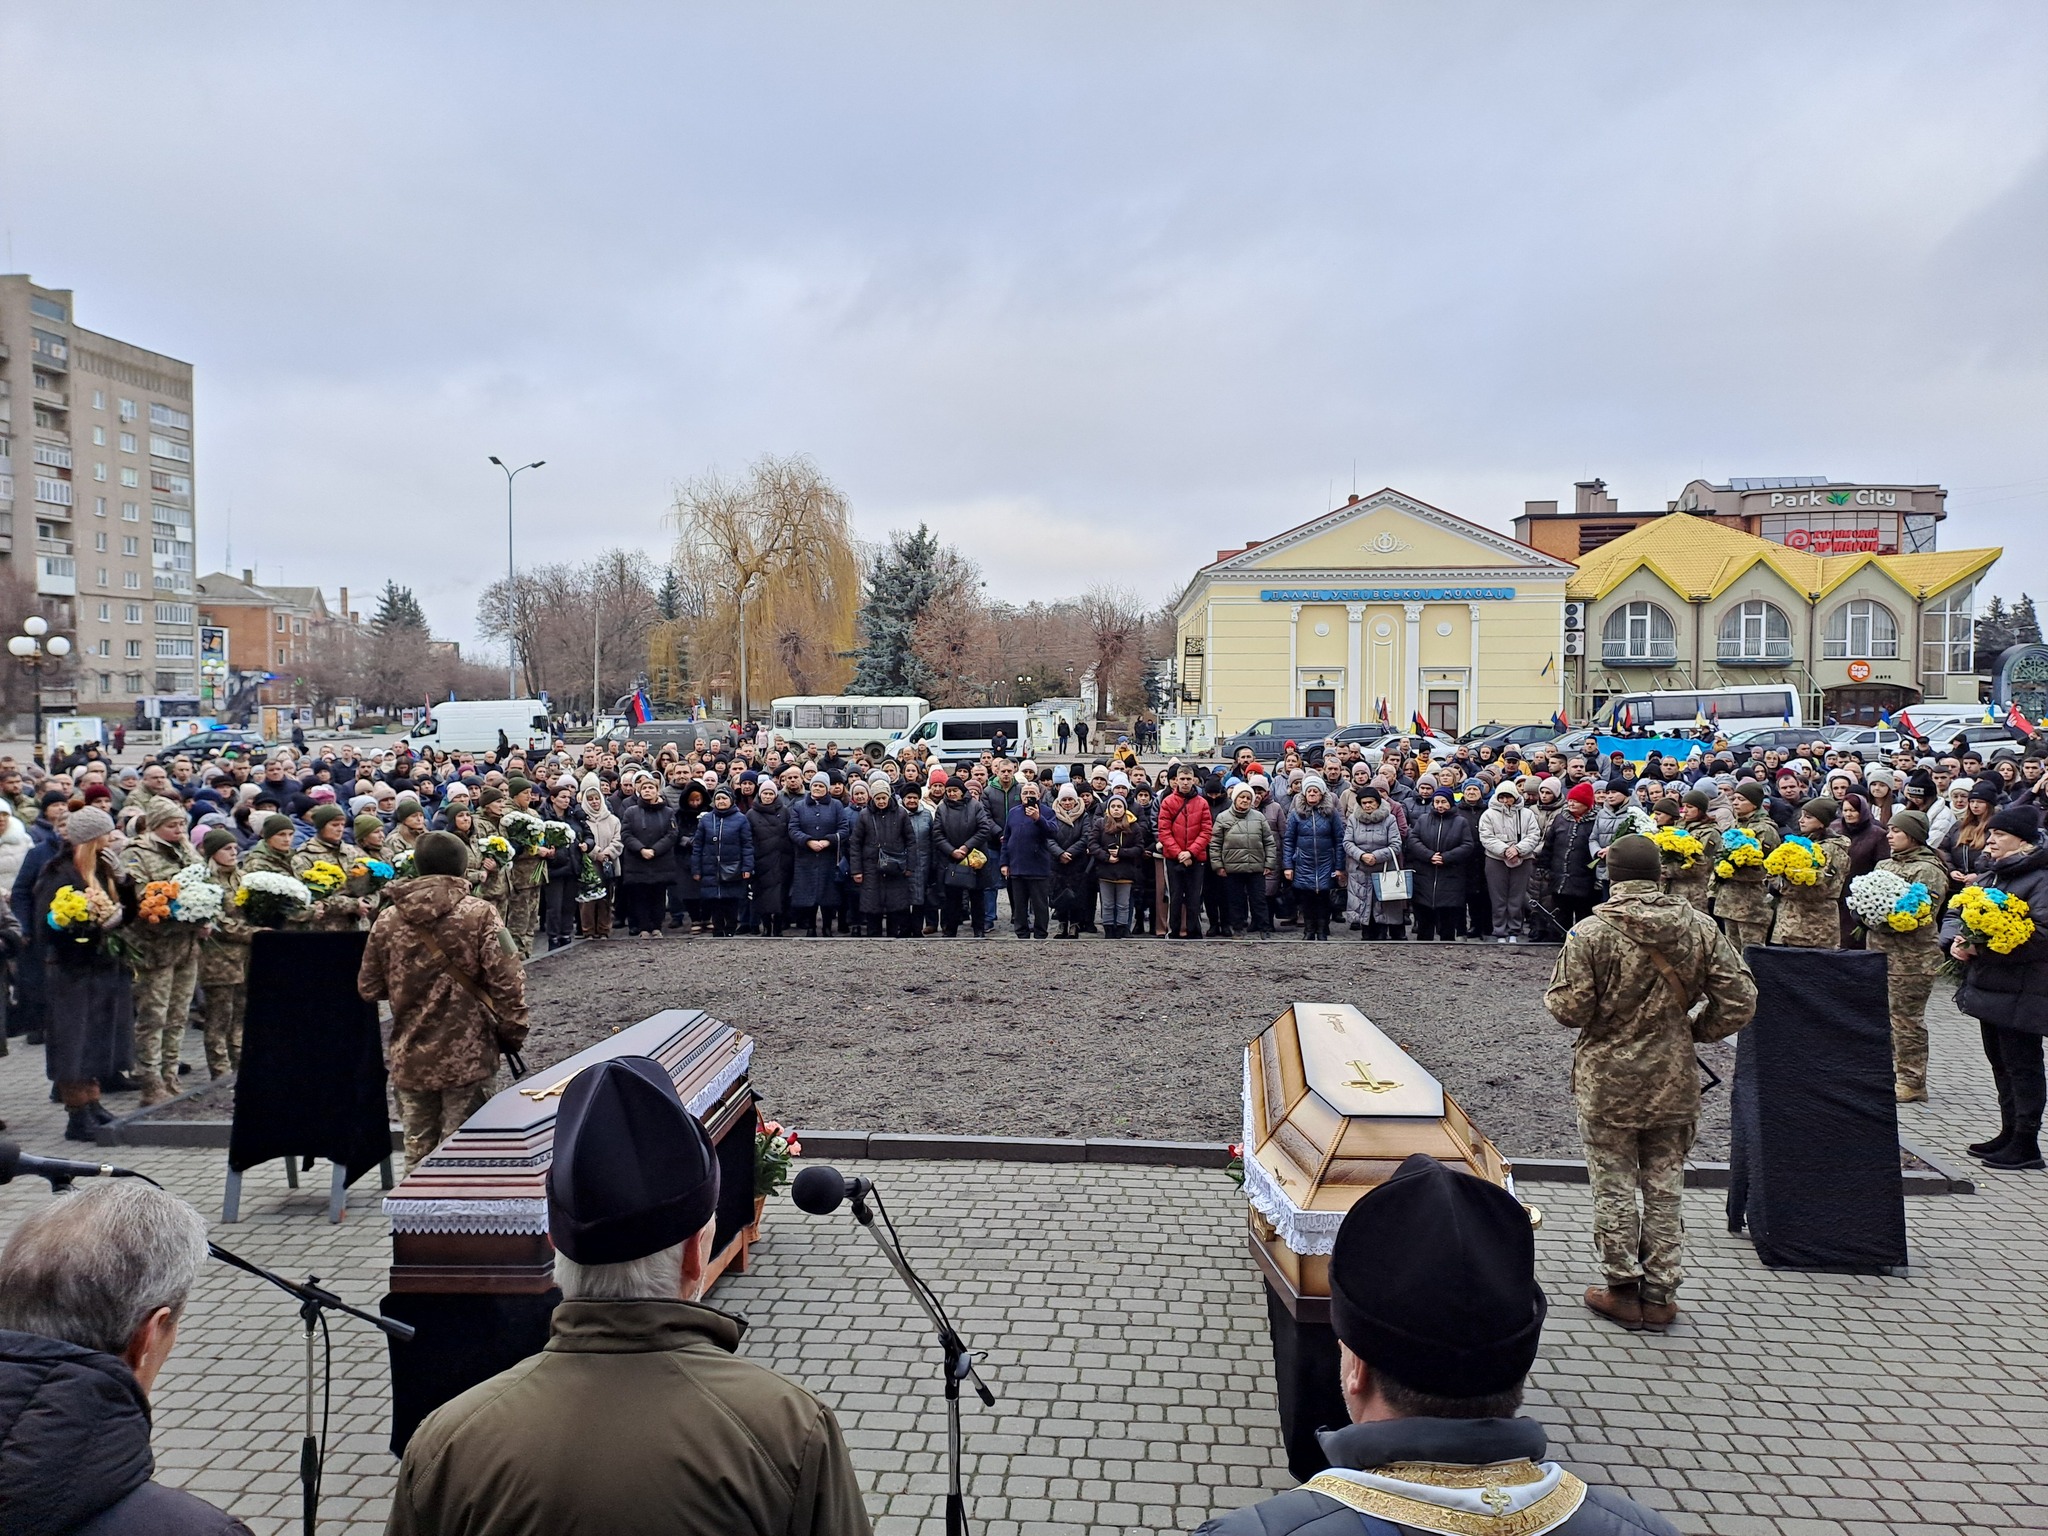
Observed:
{"x":2022,"y":1152}
{"x":1994,"y":1146}
{"x":82,"y":1126}
{"x":100,"y":1113}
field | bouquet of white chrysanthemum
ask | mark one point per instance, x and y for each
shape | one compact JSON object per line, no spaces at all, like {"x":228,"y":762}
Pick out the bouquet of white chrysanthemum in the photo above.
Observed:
{"x":272,"y":899}
{"x":1635,"y":821}
{"x":523,"y":830}
{"x":557,"y":834}
{"x":1872,"y":897}
{"x":198,"y":899}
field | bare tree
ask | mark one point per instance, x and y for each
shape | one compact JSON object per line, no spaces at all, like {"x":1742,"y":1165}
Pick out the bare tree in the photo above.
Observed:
{"x":579,"y":633}
{"x":771,"y":552}
{"x":1116,"y":620}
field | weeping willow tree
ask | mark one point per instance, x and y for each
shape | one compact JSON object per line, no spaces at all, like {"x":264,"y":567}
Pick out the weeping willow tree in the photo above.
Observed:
{"x":770,"y":582}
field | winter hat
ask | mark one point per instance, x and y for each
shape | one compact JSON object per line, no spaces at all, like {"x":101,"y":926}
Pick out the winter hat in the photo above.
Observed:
{"x":320,"y":815}
{"x":1311,"y":781}
{"x":272,"y":825}
{"x":489,"y":796}
{"x":633,"y":1171}
{"x":1912,"y":823}
{"x":1668,"y":807}
{"x":1471,"y":784}
{"x":1985,"y":790}
{"x":1507,"y":793}
{"x":1260,"y":781}
{"x":2018,"y":818}
{"x":322,"y":794}
{"x":879,"y":782}
{"x":1633,"y":857}
{"x":164,"y":812}
{"x":1581,"y":793}
{"x":215,"y":840}
{"x":360,"y":803}
{"x":821,"y":778}
{"x":1822,"y":808}
{"x":1753,"y":792}
{"x":1698,"y":799}
{"x":441,"y":853}
{"x":367,"y":826}
{"x":1433,"y":1281}
{"x":517,"y":783}
{"x":408,"y":805}
{"x":87,"y":824}
{"x":1550,"y":782}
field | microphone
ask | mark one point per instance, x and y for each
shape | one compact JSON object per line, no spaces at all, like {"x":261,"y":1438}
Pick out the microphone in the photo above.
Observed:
{"x":821,"y":1189}
{"x":57,"y":1170}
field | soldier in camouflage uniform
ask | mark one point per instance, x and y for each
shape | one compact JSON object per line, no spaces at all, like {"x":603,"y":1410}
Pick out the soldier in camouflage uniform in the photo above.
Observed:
{"x":1912,"y":960}
{"x":1690,"y":816}
{"x":408,"y":826}
{"x":1810,"y":916}
{"x":457,"y":992}
{"x":337,"y":911}
{"x":1742,"y":901}
{"x":529,"y":874}
{"x":1626,"y":980}
{"x":496,"y":885}
{"x":167,"y":955}
{"x":273,"y":855}
{"x":224,"y":957}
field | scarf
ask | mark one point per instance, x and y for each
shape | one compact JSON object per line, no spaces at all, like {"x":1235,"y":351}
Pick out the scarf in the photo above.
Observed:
{"x":1068,"y":809}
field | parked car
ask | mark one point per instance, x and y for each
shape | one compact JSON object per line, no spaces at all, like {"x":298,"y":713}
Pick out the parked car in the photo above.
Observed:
{"x":1993,"y":741}
{"x":1374,"y":734}
{"x":1269,"y":738}
{"x":216,"y":739}
{"x":1522,"y":736}
{"x":1869,"y":741}
{"x":1784,"y":738}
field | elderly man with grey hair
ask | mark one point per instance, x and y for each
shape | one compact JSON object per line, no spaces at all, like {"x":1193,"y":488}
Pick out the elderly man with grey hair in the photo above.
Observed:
{"x":92,"y":1288}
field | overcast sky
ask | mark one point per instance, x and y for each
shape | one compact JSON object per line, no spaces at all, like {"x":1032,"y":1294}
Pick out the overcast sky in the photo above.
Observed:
{"x":1096,"y":290}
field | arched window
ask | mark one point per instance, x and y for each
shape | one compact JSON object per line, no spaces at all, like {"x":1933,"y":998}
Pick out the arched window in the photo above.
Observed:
{"x":1638,"y":634}
{"x":1861,"y":630}
{"x":1755,"y":631}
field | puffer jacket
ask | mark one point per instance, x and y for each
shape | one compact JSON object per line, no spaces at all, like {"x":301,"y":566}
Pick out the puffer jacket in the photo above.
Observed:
{"x":723,"y":841}
{"x":1242,"y":843}
{"x":651,"y":828}
{"x":2010,"y":991}
{"x":1184,"y":826}
{"x":74,"y":1449}
{"x":1380,"y":836}
{"x":1441,"y":885}
{"x":1505,"y":824}
{"x":1313,"y":849}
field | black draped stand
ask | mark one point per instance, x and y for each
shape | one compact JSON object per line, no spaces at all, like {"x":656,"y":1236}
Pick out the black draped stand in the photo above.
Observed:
{"x":1814,"y":1161}
{"x":311,"y":1083}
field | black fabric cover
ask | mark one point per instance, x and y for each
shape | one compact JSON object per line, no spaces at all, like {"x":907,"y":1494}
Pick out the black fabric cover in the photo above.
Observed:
{"x":1306,"y":1383}
{"x":1814,"y":1164}
{"x":462,"y":1340}
{"x":633,"y":1172}
{"x":312,"y":1077}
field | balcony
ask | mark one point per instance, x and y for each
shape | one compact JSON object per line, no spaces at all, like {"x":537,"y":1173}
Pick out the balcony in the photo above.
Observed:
{"x":55,"y":398}
{"x":1638,"y":653}
{"x":56,"y":576}
{"x":53,"y":547}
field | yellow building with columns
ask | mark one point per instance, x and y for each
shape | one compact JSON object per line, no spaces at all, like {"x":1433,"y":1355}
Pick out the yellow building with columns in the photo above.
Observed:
{"x":1384,"y":599}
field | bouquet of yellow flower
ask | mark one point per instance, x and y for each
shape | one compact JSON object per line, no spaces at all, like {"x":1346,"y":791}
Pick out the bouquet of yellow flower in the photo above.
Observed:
{"x":69,"y":909}
{"x":1796,"y":860}
{"x":1679,"y":847}
{"x":1738,"y":849}
{"x":495,"y":847}
{"x":1996,"y":919}
{"x":323,"y":877}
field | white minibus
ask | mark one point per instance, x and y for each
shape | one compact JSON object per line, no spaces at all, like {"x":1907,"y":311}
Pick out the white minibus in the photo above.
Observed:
{"x":1730,"y":709}
{"x":851,"y":720}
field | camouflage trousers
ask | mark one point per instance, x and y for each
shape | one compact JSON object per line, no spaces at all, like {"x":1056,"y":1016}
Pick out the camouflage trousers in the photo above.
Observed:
{"x":224,"y":1002}
{"x":1908,"y":987}
{"x":523,"y":917}
{"x":163,"y":999}
{"x":431,"y":1115}
{"x":1639,"y":1243}
{"x":1742,"y":934}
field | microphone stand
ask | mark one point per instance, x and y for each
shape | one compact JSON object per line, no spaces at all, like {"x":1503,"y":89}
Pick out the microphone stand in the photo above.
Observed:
{"x":314,"y":1301}
{"x":958,"y":1362}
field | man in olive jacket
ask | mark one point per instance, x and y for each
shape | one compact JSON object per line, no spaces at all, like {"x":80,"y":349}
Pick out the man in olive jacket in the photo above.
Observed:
{"x":639,"y":1416}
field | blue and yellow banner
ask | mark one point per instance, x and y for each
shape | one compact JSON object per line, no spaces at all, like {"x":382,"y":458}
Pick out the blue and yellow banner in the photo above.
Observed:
{"x":1637,"y":749}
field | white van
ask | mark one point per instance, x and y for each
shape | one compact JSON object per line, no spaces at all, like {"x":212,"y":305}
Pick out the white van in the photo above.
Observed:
{"x":472,"y":725}
{"x":1730,"y":709}
{"x":962,"y":735}
{"x":851,"y":720}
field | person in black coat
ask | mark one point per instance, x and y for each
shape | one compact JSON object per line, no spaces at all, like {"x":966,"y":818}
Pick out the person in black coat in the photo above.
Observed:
{"x":817,"y":840}
{"x":2008,"y":994}
{"x":647,"y":831}
{"x":1440,"y":848}
{"x":774,"y":856}
{"x":565,"y":865}
{"x":1069,"y":830}
{"x":879,"y":856}
{"x":961,"y":828}
{"x":1568,"y":856}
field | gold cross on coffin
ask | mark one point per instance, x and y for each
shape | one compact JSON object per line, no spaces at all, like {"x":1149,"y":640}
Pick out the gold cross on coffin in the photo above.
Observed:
{"x":1368,"y":1081}
{"x":553,"y":1090}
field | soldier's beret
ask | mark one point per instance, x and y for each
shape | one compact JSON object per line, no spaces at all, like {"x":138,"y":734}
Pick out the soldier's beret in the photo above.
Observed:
{"x":1433,"y":1282}
{"x":320,"y":815}
{"x":634,"y":1172}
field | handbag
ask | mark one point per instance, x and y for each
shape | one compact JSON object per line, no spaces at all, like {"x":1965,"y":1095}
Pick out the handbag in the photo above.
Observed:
{"x":891,"y":861}
{"x":1394,"y":884}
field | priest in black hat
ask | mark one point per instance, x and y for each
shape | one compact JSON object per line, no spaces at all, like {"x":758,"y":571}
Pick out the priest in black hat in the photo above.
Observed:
{"x":639,"y":1416}
{"x":1434,"y":1299}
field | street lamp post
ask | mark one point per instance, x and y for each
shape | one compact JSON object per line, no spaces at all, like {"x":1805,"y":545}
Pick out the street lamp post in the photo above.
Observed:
{"x":511,"y":579}
{"x":35,"y":653}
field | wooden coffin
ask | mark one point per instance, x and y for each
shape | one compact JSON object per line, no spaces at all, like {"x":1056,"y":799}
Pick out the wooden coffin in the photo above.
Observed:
{"x":1331,"y":1108}
{"x":472,"y":1218}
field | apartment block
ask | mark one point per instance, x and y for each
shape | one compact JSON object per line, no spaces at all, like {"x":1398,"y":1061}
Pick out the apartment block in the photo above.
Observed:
{"x":96,"y":496}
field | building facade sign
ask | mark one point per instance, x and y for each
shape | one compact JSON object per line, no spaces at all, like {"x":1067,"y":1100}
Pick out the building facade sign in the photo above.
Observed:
{"x":1387,"y":595}
{"x":1835,"y":497}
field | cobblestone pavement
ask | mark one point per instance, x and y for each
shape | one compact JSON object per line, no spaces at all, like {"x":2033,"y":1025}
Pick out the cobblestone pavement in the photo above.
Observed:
{"x":1125,"y":1336}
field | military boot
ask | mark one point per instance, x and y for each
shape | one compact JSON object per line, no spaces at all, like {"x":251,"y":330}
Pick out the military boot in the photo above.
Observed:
{"x":156,"y":1090}
{"x":1617,"y":1300}
{"x":1658,"y":1315}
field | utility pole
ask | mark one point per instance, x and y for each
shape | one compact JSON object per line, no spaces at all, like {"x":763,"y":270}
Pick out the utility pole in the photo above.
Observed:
{"x":511,"y":577}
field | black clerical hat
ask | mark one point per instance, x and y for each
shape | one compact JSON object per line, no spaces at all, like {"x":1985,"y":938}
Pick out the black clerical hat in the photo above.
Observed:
{"x":634,"y":1172}
{"x":1433,"y":1280}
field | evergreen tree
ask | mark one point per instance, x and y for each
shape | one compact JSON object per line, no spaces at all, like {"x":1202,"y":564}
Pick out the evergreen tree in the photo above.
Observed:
{"x":2026,"y":628}
{"x":398,"y":609}
{"x":914,"y":570}
{"x":1993,"y":631}
{"x":669,"y":600}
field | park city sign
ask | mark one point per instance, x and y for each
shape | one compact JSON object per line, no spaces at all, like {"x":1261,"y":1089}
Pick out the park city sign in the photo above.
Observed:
{"x":1829,"y":498}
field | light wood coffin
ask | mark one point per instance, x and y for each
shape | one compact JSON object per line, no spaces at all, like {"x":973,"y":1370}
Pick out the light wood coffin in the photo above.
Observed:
{"x":472,"y":1218}
{"x":1331,"y":1108}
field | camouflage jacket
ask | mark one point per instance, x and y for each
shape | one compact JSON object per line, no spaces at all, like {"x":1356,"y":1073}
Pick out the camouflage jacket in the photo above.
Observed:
{"x":442,"y":1035}
{"x":339,"y":911}
{"x":1696,"y":884}
{"x":1742,"y":897}
{"x":1810,"y":916}
{"x":529,"y":865}
{"x":267,"y":860}
{"x":496,"y":886}
{"x":1920,"y":950}
{"x":149,"y":858}
{"x":224,"y":954}
{"x":1632,"y":1065}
